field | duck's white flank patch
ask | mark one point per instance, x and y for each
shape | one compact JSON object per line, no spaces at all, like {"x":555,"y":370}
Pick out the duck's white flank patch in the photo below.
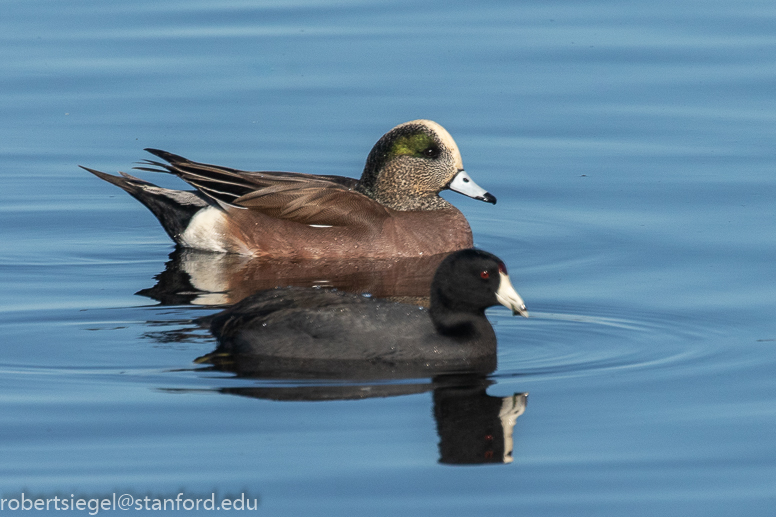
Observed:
{"x":206,"y":231}
{"x":319,"y":225}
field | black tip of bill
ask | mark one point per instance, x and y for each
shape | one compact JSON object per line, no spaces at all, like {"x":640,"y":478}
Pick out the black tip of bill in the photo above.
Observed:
{"x":488,"y":198}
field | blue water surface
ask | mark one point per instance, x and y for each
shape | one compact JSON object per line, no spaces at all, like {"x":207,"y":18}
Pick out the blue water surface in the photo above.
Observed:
{"x":631,"y":149}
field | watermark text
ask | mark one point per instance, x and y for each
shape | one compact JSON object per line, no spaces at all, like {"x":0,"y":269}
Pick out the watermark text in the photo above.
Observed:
{"x":95,"y":505}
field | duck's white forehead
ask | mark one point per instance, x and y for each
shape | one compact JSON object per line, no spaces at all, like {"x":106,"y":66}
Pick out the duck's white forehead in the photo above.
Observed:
{"x":444,"y":137}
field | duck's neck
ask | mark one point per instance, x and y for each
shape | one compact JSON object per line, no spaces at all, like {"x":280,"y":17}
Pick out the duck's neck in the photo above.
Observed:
{"x":395,"y":193}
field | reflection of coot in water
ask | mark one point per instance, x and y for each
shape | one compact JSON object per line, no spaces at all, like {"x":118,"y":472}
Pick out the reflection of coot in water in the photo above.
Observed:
{"x":473,"y":427}
{"x":314,"y":333}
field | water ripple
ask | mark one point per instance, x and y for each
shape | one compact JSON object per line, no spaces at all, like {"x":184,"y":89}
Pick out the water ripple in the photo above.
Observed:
{"x":572,"y":344}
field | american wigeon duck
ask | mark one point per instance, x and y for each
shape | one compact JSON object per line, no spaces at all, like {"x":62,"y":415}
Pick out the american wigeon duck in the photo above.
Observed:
{"x":320,"y":332}
{"x":394,"y":210}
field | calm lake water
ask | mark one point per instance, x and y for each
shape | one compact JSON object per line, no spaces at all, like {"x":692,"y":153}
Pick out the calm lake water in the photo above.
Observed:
{"x":631,"y":147}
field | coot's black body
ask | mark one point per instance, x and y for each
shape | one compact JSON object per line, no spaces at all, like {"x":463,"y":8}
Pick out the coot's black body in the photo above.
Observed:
{"x":319,"y":333}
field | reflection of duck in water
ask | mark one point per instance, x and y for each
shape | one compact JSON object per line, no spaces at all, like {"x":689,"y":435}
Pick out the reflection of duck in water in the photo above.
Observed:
{"x":394,"y":210}
{"x":203,"y":278}
{"x":318,"y":333}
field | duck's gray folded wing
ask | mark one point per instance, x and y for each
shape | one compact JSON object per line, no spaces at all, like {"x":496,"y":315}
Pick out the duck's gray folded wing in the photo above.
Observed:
{"x":315,"y":203}
{"x":302,"y":198}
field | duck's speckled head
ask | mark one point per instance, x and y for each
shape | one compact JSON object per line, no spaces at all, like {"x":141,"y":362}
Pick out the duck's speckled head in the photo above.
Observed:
{"x":411,"y":164}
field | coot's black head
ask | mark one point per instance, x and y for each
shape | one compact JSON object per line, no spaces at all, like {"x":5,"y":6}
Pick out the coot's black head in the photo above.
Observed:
{"x":470,"y":281}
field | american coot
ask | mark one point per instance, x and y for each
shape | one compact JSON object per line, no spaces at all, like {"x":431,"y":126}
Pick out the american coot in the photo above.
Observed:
{"x":394,"y":210}
{"x":319,"y":333}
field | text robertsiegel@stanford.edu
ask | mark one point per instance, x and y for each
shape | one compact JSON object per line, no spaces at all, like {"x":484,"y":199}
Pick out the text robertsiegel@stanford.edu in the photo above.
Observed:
{"x":94,"y":505}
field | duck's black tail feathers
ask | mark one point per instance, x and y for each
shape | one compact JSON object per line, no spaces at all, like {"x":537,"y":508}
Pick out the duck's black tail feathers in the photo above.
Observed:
{"x":173,"y":208}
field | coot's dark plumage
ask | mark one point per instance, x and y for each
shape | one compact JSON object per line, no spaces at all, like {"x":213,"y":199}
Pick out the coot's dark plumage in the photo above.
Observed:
{"x":318,"y":332}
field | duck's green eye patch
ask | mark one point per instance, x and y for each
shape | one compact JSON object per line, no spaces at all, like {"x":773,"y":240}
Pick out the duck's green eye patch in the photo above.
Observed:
{"x":419,"y":145}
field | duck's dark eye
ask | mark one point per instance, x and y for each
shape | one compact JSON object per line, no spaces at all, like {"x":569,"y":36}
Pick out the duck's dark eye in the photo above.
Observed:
{"x":484,"y":275}
{"x":431,"y":152}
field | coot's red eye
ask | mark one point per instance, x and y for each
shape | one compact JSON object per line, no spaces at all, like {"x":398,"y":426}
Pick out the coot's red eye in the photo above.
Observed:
{"x":485,"y":275}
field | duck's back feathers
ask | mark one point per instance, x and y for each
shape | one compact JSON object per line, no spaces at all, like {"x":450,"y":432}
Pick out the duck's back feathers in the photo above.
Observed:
{"x":302,"y":198}
{"x":227,"y":184}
